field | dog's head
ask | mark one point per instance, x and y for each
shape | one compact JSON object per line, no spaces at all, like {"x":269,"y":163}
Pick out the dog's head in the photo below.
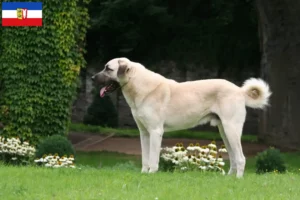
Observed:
{"x":113,"y":76}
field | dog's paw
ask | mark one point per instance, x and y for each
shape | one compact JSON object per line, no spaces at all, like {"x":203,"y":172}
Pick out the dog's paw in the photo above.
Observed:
{"x":145,"y":169}
{"x":153,"y":169}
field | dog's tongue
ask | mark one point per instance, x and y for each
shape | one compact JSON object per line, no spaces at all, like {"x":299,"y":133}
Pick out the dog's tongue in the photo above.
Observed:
{"x":102,"y":91}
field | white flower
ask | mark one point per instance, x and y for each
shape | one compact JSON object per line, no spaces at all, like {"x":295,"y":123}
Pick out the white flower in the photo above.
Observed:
{"x":71,"y":158}
{"x":210,"y":166}
{"x":204,"y":160}
{"x":206,"y":150}
{"x":180,"y":153}
{"x":197,"y":148}
{"x":175,"y":161}
{"x":14,"y":158}
{"x":183,"y":168}
{"x":212,"y":160}
{"x":38,"y":160}
{"x":166,"y":157}
{"x":69,"y":162}
{"x":72,"y":166}
{"x":63,"y":159}
{"x":221,"y":163}
{"x":223,"y":150}
{"x":26,"y":143}
{"x":48,"y":165}
{"x":190,"y":148}
{"x":212,"y":146}
{"x":220,"y":159}
{"x":213,"y":152}
{"x":169,"y":149}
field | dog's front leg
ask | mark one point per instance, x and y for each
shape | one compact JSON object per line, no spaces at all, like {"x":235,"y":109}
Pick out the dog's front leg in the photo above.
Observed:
{"x":145,"y":145}
{"x":155,"y":146}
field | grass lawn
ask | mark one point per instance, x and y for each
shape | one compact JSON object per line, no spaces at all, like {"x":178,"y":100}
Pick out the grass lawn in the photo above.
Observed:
{"x":113,"y":159}
{"x":119,"y":178}
{"x":135,"y":133}
{"x":126,"y":184}
{"x":106,"y":159}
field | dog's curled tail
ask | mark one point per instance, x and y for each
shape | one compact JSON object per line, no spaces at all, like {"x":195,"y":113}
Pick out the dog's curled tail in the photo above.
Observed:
{"x":257,"y":93}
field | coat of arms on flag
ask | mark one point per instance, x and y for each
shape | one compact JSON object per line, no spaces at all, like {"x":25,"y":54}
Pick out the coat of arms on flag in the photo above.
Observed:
{"x":22,"y":14}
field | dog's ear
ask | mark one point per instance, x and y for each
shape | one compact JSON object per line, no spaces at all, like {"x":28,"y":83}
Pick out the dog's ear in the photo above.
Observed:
{"x":123,"y":67}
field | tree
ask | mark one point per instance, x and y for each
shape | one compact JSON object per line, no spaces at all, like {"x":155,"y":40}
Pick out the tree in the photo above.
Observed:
{"x":279,"y":25}
{"x":39,"y":69}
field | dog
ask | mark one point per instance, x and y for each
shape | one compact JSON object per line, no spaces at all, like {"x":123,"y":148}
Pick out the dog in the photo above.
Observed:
{"x":161,"y":105}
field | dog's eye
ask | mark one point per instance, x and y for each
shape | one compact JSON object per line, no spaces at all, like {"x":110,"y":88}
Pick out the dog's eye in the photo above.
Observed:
{"x":109,"y":69}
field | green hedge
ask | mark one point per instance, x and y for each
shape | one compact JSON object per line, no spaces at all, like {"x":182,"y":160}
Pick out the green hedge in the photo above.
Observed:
{"x":39,"y":68}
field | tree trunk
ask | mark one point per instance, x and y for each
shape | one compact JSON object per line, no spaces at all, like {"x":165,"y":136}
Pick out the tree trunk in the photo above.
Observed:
{"x":279,"y":25}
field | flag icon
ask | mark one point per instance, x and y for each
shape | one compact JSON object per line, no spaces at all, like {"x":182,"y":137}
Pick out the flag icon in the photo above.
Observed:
{"x":22,"y":14}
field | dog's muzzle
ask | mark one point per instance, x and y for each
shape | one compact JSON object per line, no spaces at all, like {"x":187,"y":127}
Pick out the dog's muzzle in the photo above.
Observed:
{"x":107,"y":85}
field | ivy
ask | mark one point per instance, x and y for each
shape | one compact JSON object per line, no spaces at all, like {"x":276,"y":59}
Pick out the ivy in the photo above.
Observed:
{"x":39,"y":69}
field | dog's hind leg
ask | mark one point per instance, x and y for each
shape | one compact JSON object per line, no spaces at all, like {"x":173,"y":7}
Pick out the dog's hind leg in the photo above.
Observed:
{"x":233,"y":132}
{"x":229,"y":150}
{"x":232,"y":118}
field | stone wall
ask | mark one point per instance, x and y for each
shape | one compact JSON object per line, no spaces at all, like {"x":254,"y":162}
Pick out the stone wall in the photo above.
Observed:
{"x":170,"y":70}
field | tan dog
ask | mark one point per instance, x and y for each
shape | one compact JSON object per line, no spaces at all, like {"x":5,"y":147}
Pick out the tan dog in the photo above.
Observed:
{"x":160,"y":105}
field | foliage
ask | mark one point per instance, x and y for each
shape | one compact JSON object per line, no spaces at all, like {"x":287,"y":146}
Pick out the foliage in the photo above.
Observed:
{"x":215,"y":31}
{"x":41,"y":67}
{"x":194,"y":157}
{"x":13,"y":151}
{"x":101,"y":112}
{"x":55,"y":144}
{"x":270,"y":160}
{"x":55,"y":161}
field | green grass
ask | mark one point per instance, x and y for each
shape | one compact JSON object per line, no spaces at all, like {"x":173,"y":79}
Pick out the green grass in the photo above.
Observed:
{"x":206,"y":135}
{"x":105,"y":159}
{"x":110,"y":159}
{"x":120,"y":179}
{"x":108,"y":184}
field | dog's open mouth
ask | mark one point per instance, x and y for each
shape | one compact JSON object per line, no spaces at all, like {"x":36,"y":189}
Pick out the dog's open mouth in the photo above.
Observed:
{"x":109,"y":88}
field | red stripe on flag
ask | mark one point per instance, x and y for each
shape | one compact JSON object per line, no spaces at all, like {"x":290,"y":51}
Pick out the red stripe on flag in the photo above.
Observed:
{"x":23,"y":22}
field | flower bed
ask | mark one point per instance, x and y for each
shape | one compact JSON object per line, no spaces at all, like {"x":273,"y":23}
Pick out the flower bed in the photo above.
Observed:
{"x":194,"y":157}
{"x":13,"y":151}
{"x":55,"y":161}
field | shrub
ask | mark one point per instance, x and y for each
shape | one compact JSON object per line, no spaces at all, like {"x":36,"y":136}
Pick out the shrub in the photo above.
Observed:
{"x":194,"y":157}
{"x":101,"y":112}
{"x":55,"y":144}
{"x":270,"y":160}
{"x":13,"y":151}
{"x":41,"y":67}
